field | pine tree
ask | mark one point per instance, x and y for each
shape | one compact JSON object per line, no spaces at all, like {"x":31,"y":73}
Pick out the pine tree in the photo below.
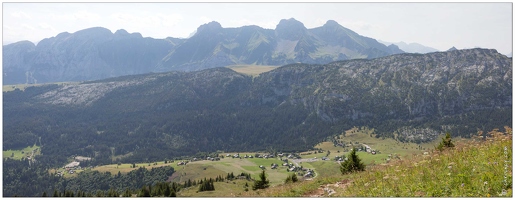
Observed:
{"x":167,"y":190}
{"x":127,"y":193}
{"x":292,"y":178}
{"x":261,"y":184}
{"x":353,"y":163}
{"x":446,"y":142}
{"x":44,"y":194}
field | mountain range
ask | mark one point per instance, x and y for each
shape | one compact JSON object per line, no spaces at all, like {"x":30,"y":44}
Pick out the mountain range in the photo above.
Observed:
{"x":411,"y":47}
{"x":97,"y":53}
{"x":410,"y":97}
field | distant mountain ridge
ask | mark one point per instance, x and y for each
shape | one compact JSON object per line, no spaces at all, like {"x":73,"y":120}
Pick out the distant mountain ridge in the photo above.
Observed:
{"x":411,"y":47}
{"x":97,"y":53}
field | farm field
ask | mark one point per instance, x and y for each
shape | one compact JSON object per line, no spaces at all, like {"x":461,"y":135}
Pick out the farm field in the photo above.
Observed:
{"x":211,"y":169}
{"x":18,"y":154}
{"x":251,"y":70}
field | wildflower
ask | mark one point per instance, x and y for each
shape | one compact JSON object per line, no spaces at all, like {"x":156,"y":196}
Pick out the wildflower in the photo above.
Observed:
{"x":485,"y":183}
{"x":367,"y":184}
{"x":448,"y":174}
{"x":450,"y":167}
{"x":463,"y":184}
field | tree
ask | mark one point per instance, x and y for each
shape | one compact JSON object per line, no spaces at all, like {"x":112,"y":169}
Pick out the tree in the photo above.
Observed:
{"x":292,"y":178}
{"x":262,"y":183}
{"x":144,"y":192}
{"x":353,"y":163}
{"x":446,"y":142}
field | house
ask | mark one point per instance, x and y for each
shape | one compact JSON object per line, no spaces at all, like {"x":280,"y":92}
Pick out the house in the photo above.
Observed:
{"x":373,"y":152}
{"x":261,"y":166}
{"x":285,"y":164}
{"x":274,"y":167}
{"x":181,"y":163}
{"x":227,"y":155}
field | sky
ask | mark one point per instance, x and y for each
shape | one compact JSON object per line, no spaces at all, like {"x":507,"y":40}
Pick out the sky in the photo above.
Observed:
{"x":437,"y":25}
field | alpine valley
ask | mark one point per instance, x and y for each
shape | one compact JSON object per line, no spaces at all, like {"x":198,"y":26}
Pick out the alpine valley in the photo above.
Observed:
{"x":128,"y":99}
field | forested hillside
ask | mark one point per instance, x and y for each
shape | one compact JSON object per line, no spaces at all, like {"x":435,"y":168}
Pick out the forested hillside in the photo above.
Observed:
{"x":410,"y":97}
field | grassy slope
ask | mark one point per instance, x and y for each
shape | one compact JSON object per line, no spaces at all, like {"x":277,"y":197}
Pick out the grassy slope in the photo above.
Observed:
{"x":472,"y":168}
{"x":195,"y":170}
{"x":251,"y":70}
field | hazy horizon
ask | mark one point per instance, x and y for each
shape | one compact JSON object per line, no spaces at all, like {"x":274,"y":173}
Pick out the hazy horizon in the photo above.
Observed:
{"x":437,"y":25}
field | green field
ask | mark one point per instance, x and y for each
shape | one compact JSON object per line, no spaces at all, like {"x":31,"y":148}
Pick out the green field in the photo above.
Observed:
{"x":222,"y":189}
{"x":211,"y":169}
{"x":252,"y":70}
{"x":324,"y":170}
{"x":385,"y":146}
{"x":18,"y":154}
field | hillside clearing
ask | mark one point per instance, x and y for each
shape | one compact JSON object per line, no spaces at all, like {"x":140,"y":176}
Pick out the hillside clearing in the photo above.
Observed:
{"x":251,"y":70}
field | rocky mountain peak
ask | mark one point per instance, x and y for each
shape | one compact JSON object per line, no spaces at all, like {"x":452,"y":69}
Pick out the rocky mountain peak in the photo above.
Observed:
{"x":290,"y":29}
{"x":331,"y":23}
{"x":209,"y":27}
{"x":121,"y":32}
{"x":452,"y":49}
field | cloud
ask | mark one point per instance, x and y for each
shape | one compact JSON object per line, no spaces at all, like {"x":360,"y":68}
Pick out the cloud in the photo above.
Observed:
{"x":79,"y":15}
{"x":20,"y":14}
{"x":205,"y":20}
{"x":170,"y":20}
{"x":45,"y":26}
{"x":358,"y":25}
{"x":86,"y":16}
{"x":157,"y":19}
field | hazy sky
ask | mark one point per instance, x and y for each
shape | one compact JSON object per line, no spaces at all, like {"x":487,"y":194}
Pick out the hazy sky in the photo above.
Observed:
{"x":437,"y":25}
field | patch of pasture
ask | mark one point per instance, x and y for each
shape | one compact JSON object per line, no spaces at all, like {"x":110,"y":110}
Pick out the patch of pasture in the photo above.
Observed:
{"x":22,"y":153}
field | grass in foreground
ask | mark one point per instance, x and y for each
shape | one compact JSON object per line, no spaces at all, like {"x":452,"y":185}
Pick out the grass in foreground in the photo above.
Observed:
{"x":473,"y":168}
{"x":470,"y":169}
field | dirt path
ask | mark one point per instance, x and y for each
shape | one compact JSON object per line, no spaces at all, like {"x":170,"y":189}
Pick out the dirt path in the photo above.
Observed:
{"x":328,"y":189}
